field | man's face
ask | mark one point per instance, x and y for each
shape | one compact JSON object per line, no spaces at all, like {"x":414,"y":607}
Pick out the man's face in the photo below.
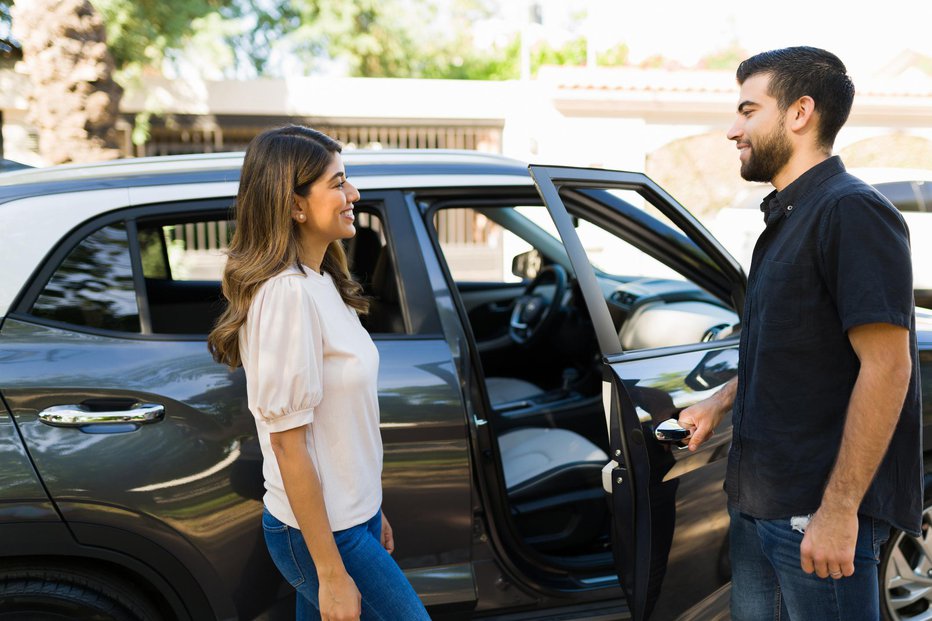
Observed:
{"x":759,"y":132}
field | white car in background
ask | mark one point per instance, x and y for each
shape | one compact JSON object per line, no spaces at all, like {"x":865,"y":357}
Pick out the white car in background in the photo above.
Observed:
{"x":738,"y":226}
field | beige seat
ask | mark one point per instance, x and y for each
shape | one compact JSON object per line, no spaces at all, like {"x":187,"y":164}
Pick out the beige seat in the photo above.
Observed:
{"x":553,"y":482}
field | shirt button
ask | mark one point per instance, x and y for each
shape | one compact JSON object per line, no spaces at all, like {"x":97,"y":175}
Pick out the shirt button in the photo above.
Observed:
{"x":789,"y":208}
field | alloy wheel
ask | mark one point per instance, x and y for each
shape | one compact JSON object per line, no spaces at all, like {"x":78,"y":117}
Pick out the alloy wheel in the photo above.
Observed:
{"x":907,"y":579}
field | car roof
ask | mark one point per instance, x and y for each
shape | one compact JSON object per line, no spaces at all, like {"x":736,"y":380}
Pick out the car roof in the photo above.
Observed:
{"x":751,"y":197}
{"x":39,"y":206}
{"x":224,"y":167}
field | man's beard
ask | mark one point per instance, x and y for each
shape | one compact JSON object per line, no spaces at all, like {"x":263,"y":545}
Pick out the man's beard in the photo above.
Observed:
{"x":767,"y":157}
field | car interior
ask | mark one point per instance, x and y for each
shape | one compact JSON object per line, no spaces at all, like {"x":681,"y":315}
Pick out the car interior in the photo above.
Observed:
{"x":541,"y":363}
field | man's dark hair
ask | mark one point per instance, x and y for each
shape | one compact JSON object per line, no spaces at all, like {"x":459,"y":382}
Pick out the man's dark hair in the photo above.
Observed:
{"x":799,"y":71}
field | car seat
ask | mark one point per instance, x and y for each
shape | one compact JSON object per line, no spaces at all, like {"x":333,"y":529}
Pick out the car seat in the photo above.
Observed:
{"x":553,"y":479}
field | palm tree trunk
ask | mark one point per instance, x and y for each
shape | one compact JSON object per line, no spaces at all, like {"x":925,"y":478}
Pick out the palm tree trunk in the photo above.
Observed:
{"x":74,"y":101}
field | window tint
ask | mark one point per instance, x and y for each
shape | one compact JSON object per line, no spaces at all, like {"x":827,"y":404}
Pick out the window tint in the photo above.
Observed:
{"x":925,"y":188}
{"x":93,"y":286}
{"x":183,"y":258}
{"x":189,"y":249}
{"x":370,"y":262}
{"x":902,"y":194}
{"x":153,"y":253}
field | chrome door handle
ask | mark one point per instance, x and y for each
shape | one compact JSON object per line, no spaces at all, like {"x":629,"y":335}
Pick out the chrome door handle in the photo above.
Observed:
{"x":671,"y":431}
{"x":79,"y":415}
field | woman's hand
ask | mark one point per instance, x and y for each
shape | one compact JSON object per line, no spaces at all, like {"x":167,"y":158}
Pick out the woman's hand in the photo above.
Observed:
{"x":339,"y":598}
{"x":388,"y":537}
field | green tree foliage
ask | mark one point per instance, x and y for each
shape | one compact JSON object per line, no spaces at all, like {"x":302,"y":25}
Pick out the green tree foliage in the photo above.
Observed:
{"x":366,"y":38}
{"x":5,"y":17}
{"x":616,"y":56}
{"x":9,"y":47}
{"x":142,"y":32}
{"x":571,"y":53}
{"x":389,"y":38}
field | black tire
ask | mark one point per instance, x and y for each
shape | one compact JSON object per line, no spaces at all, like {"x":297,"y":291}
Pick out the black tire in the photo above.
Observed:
{"x":905,"y":572}
{"x":30,"y":592}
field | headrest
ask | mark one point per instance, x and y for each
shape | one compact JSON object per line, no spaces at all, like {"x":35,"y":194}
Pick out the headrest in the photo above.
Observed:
{"x":384,"y":283}
{"x":362,"y":251}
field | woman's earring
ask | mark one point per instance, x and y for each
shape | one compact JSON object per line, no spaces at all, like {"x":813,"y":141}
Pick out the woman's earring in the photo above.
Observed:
{"x":300,"y":217}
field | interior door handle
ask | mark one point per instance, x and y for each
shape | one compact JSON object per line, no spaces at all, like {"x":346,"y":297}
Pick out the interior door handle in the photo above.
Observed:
{"x":80,"y":415}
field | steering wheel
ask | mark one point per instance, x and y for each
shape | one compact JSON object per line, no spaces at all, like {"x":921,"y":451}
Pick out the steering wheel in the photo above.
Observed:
{"x":533,"y":314}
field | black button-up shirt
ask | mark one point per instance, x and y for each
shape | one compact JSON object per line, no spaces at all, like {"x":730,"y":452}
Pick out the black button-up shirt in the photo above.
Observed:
{"x":834,"y":255}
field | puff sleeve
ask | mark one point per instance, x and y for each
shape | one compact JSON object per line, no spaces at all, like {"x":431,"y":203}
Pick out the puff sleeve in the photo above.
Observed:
{"x":284,"y":365}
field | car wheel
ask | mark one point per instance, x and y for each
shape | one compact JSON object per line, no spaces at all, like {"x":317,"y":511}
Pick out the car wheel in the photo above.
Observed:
{"x":33,"y":593}
{"x":906,"y":573}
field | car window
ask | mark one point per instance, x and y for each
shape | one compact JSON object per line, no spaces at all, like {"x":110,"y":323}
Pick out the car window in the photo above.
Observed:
{"x":186,"y":250}
{"x":371,"y":263}
{"x":925,"y":188}
{"x":183,"y":259}
{"x":903,"y":194}
{"x":475,"y":247}
{"x":655,"y":305}
{"x":607,"y":252}
{"x":93,"y":286}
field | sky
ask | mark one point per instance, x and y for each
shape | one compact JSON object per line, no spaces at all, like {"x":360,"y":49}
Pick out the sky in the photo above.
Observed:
{"x":865,"y":35}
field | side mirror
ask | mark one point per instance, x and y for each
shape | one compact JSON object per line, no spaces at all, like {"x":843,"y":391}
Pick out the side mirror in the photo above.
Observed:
{"x":527,"y":265}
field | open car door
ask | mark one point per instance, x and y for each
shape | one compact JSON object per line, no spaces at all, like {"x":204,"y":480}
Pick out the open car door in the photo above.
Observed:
{"x":669,"y":530}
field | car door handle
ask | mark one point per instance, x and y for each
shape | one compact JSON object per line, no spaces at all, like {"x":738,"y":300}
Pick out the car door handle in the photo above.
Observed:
{"x":80,"y":415}
{"x":670,"y":431}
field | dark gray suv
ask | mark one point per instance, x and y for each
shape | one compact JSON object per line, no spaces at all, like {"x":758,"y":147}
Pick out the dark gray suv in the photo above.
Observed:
{"x":534,"y":327}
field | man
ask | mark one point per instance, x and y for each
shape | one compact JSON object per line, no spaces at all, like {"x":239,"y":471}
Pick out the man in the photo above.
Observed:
{"x":826,"y":454}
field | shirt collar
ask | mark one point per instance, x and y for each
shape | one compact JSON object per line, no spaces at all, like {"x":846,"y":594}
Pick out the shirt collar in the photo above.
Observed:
{"x":777,"y":204}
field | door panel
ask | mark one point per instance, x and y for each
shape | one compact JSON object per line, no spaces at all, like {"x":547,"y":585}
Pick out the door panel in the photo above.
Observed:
{"x":689,"y":521}
{"x":426,"y":477}
{"x":669,"y":514}
{"x":21,"y":495}
{"x":488,"y":306}
{"x":192,"y":482}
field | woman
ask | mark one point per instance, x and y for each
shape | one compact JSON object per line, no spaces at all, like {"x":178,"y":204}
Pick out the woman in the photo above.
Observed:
{"x":311,"y":369}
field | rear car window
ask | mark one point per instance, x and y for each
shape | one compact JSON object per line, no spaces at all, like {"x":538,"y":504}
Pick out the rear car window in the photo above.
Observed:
{"x":93,"y":286}
{"x":925,"y":188}
{"x":191,"y":250}
{"x":902,"y":194}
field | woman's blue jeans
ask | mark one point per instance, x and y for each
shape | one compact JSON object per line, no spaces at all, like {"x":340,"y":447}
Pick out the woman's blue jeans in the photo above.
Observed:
{"x":386,"y":593}
{"x":768,"y":583}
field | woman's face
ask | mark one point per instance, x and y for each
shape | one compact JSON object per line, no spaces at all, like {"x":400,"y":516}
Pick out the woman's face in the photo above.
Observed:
{"x":326,"y":213}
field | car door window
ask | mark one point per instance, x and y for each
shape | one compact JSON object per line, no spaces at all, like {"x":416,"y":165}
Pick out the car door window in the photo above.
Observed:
{"x":653,"y":303}
{"x":649,"y":483}
{"x":183,"y":258}
{"x":475,"y":247}
{"x":93,"y":286}
{"x":186,"y":250}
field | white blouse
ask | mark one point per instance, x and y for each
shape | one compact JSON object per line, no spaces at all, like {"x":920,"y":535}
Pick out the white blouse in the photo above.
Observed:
{"x":309,"y":362}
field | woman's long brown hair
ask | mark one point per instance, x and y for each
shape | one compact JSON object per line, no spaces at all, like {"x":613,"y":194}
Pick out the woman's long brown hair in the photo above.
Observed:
{"x":278,"y":163}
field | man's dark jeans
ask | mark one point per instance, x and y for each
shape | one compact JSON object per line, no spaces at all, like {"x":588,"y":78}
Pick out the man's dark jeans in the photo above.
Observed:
{"x":768,"y":582}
